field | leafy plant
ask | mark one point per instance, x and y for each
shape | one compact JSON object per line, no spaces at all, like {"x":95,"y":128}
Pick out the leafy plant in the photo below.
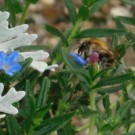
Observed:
{"x":53,"y":101}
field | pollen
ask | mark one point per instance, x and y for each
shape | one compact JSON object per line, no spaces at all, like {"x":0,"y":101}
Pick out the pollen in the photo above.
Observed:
{"x":6,"y":66}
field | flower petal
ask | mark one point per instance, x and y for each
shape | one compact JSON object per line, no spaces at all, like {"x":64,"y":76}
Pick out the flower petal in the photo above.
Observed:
{"x":80,"y":60}
{"x":51,"y":67}
{"x":4,"y":16}
{"x":37,"y":55}
{"x":1,"y":88}
{"x":7,"y":100}
{"x":13,"y":56}
{"x":22,"y":40}
{"x":42,"y":66}
{"x":39,"y":66}
{"x":2,"y":116}
{"x":7,"y":34}
{"x":3,"y":59}
{"x":15,"y":67}
{"x":4,"y":24}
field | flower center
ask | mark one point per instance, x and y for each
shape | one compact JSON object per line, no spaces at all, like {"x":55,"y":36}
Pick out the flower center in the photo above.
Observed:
{"x":6,"y":67}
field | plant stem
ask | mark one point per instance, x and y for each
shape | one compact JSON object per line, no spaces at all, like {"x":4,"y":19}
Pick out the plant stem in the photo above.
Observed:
{"x":74,"y":31}
{"x":22,"y":20}
{"x":93,"y":107}
{"x":30,"y":131}
{"x":82,"y":128}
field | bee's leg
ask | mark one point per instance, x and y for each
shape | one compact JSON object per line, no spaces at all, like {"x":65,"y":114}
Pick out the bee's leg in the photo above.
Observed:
{"x":85,"y":55}
{"x":80,"y":51}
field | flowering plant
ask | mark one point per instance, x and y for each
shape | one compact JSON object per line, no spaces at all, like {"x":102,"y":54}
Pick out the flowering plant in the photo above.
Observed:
{"x":92,"y":84}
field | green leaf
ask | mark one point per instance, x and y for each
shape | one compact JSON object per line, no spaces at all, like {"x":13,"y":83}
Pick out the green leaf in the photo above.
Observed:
{"x":122,"y":112}
{"x":86,"y":112}
{"x":29,"y":103}
{"x":33,"y":1}
{"x":40,"y":114}
{"x":42,"y":98}
{"x":76,"y":72}
{"x":56,"y":32}
{"x":96,"y":6}
{"x":88,"y":2}
{"x":106,"y":104}
{"x":16,"y":6}
{"x":114,"y":41}
{"x":83,"y":13}
{"x":2,"y":132}
{"x":124,"y":123}
{"x":53,"y":124}
{"x":131,"y":2}
{"x":33,"y":48}
{"x":110,"y":89}
{"x":31,"y":76}
{"x":100,"y":33}
{"x":10,"y":7}
{"x":12,"y":125}
{"x":56,"y":53}
{"x":71,"y":10}
{"x":127,"y":20}
{"x":28,"y":108}
{"x":117,"y":79}
{"x":129,"y":36}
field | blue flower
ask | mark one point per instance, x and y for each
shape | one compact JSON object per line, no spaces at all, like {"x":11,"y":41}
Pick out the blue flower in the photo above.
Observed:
{"x":8,"y":63}
{"x":80,"y":60}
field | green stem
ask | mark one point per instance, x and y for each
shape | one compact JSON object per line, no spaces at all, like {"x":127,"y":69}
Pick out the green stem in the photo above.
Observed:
{"x":74,"y":31}
{"x":22,"y":20}
{"x":54,"y":133}
{"x":30,"y":131}
{"x":82,"y":128}
{"x":93,"y":107}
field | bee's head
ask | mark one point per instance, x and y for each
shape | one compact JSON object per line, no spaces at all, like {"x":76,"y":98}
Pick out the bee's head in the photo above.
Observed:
{"x":85,"y":43}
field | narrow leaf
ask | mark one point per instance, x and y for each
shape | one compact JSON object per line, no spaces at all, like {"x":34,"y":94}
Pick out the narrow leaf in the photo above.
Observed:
{"x":114,"y":80}
{"x":33,"y":48}
{"x":127,"y":20}
{"x":33,"y":1}
{"x":71,"y":10}
{"x":11,"y":9}
{"x":96,"y":6}
{"x":129,"y":36}
{"x":100,"y":33}
{"x":110,"y":89}
{"x":83,"y":13}
{"x":122,"y":112}
{"x":13,"y":126}
{"x":54,"y":124}
{"x":114,"y":41}
{"x":42,"y":98}
{"x":56,"y":32}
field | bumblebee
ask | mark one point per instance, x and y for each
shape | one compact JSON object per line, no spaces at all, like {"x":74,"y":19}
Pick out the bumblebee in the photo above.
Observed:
{"x":106,"y":53}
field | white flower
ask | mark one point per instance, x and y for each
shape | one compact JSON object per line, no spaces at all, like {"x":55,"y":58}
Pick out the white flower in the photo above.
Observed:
{"x":8,"y":99}
{"x":2,"y":116}
{"x":37,"y":64}
{"x":12,"y":38}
